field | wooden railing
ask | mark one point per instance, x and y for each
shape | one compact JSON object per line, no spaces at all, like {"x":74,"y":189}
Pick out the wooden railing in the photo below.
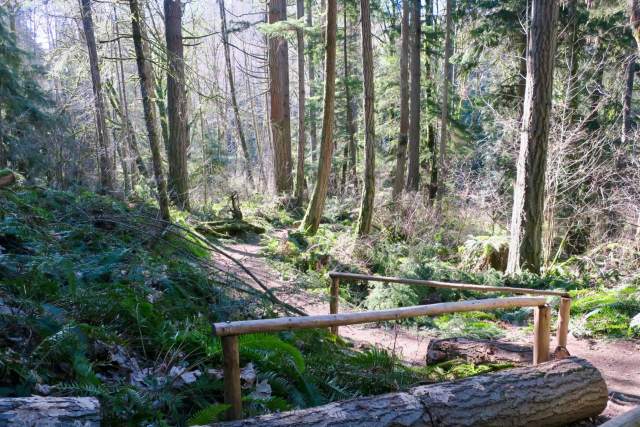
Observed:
{"x":229,"y":331}
{"x":563,"y":309}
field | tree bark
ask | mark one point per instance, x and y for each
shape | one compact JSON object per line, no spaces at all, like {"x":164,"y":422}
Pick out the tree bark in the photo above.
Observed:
{"x":232,"y":90}
{"x":401,"y":150}
{"x":478,"y":351}
{"x":549,"y":394}
{"x":50,"y":411}
{"x":413,"y":173}
{"x":106,"y":153}
{"x":351,"y":148}
{"x":147,"y":85}
{"x":312,"y":217}
{"x":280,"y":109}
{"x":525,"y":248}
{"x":369,"y":188}
{"x":444,"y":106}
{"x":312,"y":76}
{"x":627,"y":118}
{"x":299,"y":188}
{"x":634,"y":20}
{"x":176,"y":106}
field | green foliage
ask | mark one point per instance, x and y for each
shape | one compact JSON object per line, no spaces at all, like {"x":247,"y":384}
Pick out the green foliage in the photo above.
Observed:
{"x":208,"y":415}
{"x":473,"y":325}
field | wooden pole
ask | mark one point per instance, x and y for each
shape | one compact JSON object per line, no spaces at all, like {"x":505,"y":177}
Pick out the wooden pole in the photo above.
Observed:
{"x":541,"y":334}
{"x":231,"y":363}
{"x":563,"y":322}
{"x":333,"y":301}
{"x":341,"y":319}
{"x":446,"y":285}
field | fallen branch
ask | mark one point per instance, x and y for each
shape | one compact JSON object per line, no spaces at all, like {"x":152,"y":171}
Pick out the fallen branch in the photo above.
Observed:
{"x":50,"y":411}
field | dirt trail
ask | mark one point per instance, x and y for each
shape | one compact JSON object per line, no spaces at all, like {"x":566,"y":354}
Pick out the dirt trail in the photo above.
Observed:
{"x":617,"y":360}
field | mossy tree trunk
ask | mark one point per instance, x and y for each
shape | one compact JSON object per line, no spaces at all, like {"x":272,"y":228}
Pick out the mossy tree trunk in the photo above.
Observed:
{"x":299,"y":187}
{"x":413,"y":173}
{"x":312,"y":217}
{"x":369,"y":188}
{"x":145,"y":74}
{"x":401,"y":150}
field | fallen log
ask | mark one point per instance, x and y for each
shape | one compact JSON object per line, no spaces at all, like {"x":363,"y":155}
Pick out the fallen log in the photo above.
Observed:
{"x":478,"y":351}
{"x":628,"y":419}
{"x":50,"y":411}
{"x":549,"y":394}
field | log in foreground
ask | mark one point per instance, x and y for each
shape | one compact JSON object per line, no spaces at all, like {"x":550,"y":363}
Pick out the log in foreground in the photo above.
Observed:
{"x":628,"y":419}
{"x":50,"y":411}
{"x":478,"y":351}
{"x":550,"y":394}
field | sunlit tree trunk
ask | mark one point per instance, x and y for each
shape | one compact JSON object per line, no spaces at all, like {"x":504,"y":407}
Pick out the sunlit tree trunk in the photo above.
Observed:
{"x":299,"y":188}
{"x":444,"y":103}
{"x":106,"y":151}
{"x":525,"y":247}
{"x":413,"y":172}
{"x":312,"y":217}
{"x":280,"y":109}
{"x":401,"y":150}
{"x":232,"y":90}
{"x":176,"y":106}
{"x":147,"y":86}
{"x":312,"y":76}
{"x":368,"y":192}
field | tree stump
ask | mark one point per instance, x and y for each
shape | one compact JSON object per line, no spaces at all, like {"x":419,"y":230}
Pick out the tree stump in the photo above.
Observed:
{"x":550,"y":394}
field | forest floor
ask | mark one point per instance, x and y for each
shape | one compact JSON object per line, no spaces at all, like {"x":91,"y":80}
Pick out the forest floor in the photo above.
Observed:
{"x":618,"y":360}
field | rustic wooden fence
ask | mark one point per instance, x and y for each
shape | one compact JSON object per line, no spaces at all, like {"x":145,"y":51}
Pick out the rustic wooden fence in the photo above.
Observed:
{"x":229,"y":331}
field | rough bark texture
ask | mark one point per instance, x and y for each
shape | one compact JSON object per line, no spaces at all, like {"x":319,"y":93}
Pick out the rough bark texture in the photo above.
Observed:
{"x":313,"y":131}
{"x":444,"y":103}
{"x":311,"y":220}
{"x":106,"y":153}
{"x":401,"y":150}
{"x":525,"y":249}
{"x":232,"y":89}
{"x":627,"y":118}
{"x":350,"y":148}
{"x":299,"y":190}
{"x":369,"y":188}
{"x":145,"y":74}
{"x":550,"y":394}
{"x":279,"y":91}
{"x":634,"y":19}
{"x":478,"y":351}
{"x":413,"y":173}
{"x":50,"y":411}
{"x":176,"y":106}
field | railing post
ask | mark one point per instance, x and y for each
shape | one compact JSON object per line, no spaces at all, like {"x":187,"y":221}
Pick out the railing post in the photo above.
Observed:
{"x":563,"y":322}
{"x":541,"y":334}
{"x":333,"y":300}
{"x":231,"y":363}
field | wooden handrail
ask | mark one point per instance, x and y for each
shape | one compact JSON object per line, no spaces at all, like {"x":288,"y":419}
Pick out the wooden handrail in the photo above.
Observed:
{"x":446,"y":285}
{"x":241,"y":327}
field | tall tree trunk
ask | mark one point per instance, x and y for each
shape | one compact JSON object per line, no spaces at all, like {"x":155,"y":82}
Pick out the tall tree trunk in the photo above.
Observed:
{"x":634,"y":20}
{"x":401,"y":150}
{"x":368,"y":191}
{"x":351,"y":124}
{"x":147,"y":86}
{"x":280,"y":109}
{"x":444,"y":106}
{"x":176,"y":106}
{"x":525,"y":247}
{"x":128,"y":166}
{"x":299,"y":190}
{"x":413,"y":174}
{"x":160,"y":96}
{"x":627,"y":119}
{"x":232,"y":90}
{"x":432,"y":147}
{"x":106,"y":151}
{"x":313,"y":131}
{"x":312,"y":217}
